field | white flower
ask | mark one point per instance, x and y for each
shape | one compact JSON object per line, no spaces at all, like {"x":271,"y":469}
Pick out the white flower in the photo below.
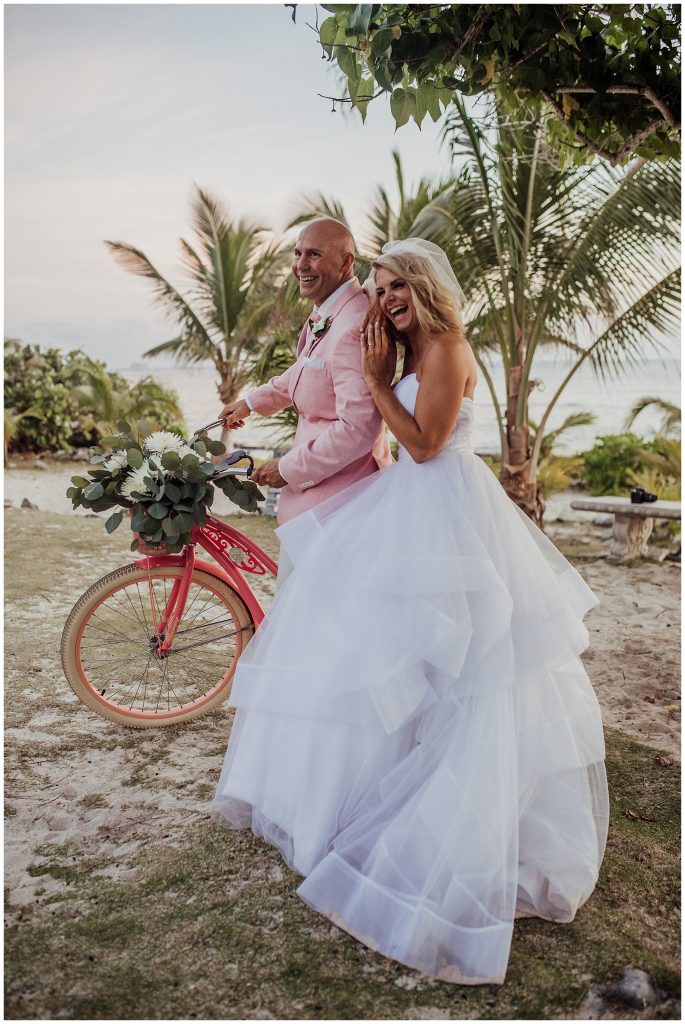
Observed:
{"x":136,"y":481}
{"x":164,"y":441}
{"x":117,"y":460}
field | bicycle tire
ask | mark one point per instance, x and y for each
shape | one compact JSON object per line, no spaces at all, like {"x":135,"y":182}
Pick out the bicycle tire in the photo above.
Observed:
{"x":83,"y":680}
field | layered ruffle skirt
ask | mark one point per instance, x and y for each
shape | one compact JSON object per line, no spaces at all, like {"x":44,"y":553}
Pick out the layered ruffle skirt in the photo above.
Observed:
{"x":414,"y":728}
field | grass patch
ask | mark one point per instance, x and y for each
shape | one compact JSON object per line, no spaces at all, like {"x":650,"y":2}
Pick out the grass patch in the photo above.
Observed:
{"x":212,"y":928}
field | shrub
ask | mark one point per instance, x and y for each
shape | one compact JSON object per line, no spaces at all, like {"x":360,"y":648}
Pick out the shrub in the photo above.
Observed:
{"x":609,"y":463}
{"x":63,"y":400}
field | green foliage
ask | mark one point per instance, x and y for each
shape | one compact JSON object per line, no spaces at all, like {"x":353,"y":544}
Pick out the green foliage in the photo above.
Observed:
{"x":103,"y":398}
{"x":611,"y":464}
{"x":605,"y":78}
{"x":546,"y":255}
{"x":38,"y":397}
{"x":166,"y":484}
{"x":61,"y":400}
{"x":556,"y":473}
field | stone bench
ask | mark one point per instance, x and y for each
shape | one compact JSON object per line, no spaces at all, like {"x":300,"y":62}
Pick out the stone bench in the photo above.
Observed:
{"x":633,"y":524}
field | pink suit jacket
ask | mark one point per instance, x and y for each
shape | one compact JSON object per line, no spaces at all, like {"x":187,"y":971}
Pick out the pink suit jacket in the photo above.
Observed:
{"x":338,"y":425}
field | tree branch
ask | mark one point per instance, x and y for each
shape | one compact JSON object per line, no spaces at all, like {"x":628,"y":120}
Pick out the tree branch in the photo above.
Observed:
{"x":613,"y":158}
{"x":627,"y":90}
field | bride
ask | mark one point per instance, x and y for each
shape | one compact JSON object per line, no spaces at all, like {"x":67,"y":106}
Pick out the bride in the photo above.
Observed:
{"x":415,"y":731}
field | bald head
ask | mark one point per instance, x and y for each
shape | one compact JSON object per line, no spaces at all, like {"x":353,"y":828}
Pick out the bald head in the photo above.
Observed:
{"x":323,"y":258}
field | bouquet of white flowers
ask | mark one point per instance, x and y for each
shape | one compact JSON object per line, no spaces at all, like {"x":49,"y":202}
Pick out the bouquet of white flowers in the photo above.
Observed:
{"x":167,"y":481}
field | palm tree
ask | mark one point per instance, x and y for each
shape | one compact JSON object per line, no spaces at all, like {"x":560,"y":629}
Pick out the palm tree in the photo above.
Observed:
{"x":230,"y":271}
{"x":671,"y":412}
{"x":584,"y":259}
{"x":104,"y":398}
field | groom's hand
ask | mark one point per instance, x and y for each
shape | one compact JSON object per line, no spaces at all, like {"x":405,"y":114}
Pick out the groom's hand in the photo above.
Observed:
{"x":269,"y":475}
{"x":235,"y":414}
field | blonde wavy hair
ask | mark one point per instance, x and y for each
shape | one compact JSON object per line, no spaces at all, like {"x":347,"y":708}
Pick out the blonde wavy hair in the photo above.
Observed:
{"x":437,"y":308}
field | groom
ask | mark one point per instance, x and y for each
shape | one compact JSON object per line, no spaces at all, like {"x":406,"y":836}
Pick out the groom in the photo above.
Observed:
{"x":338,"y":425}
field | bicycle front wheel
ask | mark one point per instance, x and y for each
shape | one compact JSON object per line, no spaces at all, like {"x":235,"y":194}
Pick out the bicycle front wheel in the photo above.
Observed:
{"x":110,"y":639}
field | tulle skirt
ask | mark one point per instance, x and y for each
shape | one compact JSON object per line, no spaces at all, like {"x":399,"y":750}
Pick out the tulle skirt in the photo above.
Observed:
{"x":414,"y":729}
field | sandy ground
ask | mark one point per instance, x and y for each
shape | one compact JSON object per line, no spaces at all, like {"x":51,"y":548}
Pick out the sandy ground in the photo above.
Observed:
{"x":85,"y":795}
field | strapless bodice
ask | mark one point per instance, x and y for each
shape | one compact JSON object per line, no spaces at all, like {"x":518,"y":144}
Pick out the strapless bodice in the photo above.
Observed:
{"x":461,"y":438}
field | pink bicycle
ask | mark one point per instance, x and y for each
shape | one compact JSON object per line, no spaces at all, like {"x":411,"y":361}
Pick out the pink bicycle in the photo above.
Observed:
{"x":156,"y":642}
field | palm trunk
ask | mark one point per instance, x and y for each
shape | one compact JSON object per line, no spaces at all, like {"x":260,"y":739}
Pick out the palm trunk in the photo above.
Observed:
{"x":517,"y":474}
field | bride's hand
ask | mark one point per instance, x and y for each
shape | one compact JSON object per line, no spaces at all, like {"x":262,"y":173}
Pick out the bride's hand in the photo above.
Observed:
{"x":379,"y":354}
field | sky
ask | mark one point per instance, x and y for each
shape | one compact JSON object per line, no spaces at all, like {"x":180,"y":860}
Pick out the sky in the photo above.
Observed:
{"x":113,"y":112}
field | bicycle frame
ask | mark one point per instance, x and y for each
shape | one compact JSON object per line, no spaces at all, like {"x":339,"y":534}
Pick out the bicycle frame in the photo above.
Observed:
{"x":230,"y":548}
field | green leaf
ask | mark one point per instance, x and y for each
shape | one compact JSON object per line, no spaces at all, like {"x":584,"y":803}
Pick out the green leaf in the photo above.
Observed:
{"x":347,"y":62}
{"x":158,"y":510}
{"x":200,"y":447}
{"x":215,"y":447}
{"x":189,"y":460}
{"x":328,"y":31}
{"x":95,"y":490}
{"x":123,"y":427}
{"x":114,"y":521}
{"x":80,"y":481}
{"x":134,"y":457}
{"x":172,"y":492}
{"x":171,"y":527}
{"x":360,"y":19}
{"x":138,"y":522}
{"x":111,"y":442}
{"x":135,"y":544}
{"x":171,"y":461}
{"x":200,"y":515}
{"x":185,"y":520}
{"x":402,"y":105}
{"x":364,"y":94}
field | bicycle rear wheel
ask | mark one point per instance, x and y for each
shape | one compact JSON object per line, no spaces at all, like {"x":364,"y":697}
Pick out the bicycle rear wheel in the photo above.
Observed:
{"x":109,"y":643}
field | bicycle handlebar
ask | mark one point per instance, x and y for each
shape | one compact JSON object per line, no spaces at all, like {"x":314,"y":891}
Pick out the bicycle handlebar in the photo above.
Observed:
{"x":237,"y":456}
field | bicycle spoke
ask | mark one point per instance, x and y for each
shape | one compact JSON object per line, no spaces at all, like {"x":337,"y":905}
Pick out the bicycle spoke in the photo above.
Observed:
{"x":124,"y":669}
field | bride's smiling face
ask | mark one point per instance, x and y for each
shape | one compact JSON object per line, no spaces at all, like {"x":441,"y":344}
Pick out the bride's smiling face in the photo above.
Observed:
{"x":395,"y":298}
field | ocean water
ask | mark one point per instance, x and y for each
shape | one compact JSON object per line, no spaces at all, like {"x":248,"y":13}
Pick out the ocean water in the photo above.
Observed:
{"x":609,"y":401}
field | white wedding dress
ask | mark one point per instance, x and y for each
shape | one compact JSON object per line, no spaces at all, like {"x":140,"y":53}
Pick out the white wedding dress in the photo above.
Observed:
{"x":415,"y":731}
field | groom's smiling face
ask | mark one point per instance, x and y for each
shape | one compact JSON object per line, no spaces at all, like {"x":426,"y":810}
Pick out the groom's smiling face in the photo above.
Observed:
{"x":322,"y":260}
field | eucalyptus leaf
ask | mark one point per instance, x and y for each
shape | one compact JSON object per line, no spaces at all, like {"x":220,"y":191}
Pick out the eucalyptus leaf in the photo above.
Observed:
{"x":134,"y":457}
{"x":171,"y":527}
{"x":215,"y":447}
{"x":114,"y":521}
{"x":135,"y":544}
{"x":158,"y":510}
{"x":123,"y":427}
{"x":93,"y":492}
{"x":173,"y":492}
{"x":171,"y":460}
{"x":80,"y":481}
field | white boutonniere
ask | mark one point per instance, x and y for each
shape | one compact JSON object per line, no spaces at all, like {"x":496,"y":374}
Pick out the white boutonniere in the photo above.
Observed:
{"x":319,"y":327}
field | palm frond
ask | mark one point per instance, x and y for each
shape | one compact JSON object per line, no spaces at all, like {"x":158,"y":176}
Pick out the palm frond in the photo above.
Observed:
{"x":315,"y":205}
{"x":179,"y":310}
{"x":672,"y":413}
